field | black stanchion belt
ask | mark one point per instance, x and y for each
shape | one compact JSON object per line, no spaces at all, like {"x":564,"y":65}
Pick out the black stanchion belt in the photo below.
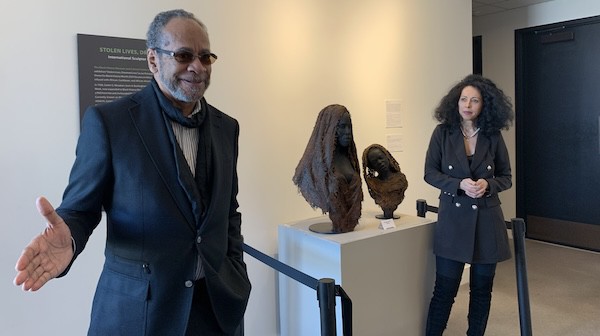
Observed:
{"x":308,"y":281}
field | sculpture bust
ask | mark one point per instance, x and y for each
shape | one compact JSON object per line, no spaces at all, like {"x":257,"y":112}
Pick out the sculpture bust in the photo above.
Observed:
{"x":385,"y":181}
{"x":328,"y":174}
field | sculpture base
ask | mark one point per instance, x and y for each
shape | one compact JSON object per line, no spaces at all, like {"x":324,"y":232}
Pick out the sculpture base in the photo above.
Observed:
{"x":381,"y":216}
{"x":322,"y":228}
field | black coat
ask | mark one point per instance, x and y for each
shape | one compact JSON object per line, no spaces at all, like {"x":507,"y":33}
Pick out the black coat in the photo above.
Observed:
{"x":469,"y":230}
{"x":126,"y":166}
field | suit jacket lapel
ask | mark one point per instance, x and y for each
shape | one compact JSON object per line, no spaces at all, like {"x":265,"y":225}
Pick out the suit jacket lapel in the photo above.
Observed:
{"x":150,"y":124}
{"x":456,"y":138}
{"x":215,"y":156}
{"x":483,"y":142}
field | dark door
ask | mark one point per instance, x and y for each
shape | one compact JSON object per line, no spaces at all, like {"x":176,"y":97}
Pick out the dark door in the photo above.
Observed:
{"x":557,"y":128}
{"x":477,"y":55}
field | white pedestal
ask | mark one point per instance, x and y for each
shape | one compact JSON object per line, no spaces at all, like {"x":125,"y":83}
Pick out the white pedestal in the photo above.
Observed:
{"x":388,"y":275}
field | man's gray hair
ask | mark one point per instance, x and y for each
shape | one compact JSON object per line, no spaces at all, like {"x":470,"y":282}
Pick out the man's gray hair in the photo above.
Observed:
{"x":155,"y":37}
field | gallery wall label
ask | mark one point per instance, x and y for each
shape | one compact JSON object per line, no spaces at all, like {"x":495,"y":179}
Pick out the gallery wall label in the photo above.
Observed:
{"x":110,"y":68}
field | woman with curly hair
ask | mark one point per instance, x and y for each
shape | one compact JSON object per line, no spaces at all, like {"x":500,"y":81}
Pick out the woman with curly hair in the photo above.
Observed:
{"x":468,"y":161}
{"x":386,"y":183}
{"x":328,"y":172}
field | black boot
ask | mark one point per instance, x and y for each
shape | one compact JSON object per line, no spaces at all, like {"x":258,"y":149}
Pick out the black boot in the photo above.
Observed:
{"x":441,"y":303}
{"x":479,"y":303}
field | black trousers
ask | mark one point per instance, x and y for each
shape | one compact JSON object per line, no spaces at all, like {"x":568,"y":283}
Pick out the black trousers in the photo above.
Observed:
{"x":202,"y":321}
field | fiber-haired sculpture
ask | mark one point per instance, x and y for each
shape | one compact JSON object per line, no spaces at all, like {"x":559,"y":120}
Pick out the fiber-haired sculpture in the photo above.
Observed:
{"x":385,"y":181}
{"x":328,"y":174}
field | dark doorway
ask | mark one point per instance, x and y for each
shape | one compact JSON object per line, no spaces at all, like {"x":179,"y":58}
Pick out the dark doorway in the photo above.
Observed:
{"x":557,"y":131}
{"x":477,"y":55}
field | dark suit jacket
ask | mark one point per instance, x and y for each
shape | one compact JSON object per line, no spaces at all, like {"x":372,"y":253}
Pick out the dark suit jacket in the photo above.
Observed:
{"x":127,"y":166}
{"x":468,"y":230}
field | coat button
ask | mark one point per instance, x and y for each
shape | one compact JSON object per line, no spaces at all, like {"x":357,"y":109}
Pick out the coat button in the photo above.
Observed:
{"x":189,"y":283}
{"x":450,"y":167}
{"x":489,"y":167}
{"x":198,"y":239}
{"x":457,"y":204}
{"x":474,"y":207}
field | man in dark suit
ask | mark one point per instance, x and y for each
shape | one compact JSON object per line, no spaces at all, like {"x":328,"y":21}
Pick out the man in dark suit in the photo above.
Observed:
{"x":162,"y":164}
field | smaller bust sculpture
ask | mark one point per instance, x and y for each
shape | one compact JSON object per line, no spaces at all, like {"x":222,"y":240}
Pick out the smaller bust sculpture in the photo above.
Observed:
{"x":328,"y":174}
{"x":385,"y":181}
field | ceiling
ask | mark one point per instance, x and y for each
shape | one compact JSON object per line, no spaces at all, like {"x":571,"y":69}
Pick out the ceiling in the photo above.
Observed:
{"x":485,"y":7}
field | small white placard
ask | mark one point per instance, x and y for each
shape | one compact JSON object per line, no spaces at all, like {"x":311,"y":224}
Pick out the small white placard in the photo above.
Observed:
{"x":393,"y":113}
{"x":387,"y":224}
{"x":395,"y":143}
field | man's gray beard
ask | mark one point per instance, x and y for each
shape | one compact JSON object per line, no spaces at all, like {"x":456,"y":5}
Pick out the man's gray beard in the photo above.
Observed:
{"x":177,"y":93}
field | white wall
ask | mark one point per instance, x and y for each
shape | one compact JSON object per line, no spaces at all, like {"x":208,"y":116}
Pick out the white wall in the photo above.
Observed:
{"x":279,"y":63}
{"x":498,"y":37}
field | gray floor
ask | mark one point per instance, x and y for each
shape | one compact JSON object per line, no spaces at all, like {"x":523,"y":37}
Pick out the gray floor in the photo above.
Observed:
{"x":564,"y":291}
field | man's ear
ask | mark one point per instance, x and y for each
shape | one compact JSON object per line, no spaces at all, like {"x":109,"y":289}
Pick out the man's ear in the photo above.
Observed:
{"x":152,"y":60}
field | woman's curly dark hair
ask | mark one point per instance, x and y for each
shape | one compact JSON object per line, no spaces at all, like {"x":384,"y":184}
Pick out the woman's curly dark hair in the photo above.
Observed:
{"x":496,"y":112}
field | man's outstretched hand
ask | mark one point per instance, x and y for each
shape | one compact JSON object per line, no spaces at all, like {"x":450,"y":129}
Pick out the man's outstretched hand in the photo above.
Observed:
{"x":48,"y":254}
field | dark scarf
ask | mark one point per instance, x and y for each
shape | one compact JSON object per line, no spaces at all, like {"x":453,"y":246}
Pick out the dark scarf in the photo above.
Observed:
{"x":198,"y":187}
{"x":175,"y":114}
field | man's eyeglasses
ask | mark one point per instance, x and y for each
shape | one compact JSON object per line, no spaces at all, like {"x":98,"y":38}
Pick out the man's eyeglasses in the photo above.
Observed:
{"x":187,"y":57}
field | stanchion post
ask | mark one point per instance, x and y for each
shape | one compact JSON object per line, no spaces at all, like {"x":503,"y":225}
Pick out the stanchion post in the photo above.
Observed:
{"x":326,"y":297}
{"x":518,"y":228}
{"x":421,"y":207}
